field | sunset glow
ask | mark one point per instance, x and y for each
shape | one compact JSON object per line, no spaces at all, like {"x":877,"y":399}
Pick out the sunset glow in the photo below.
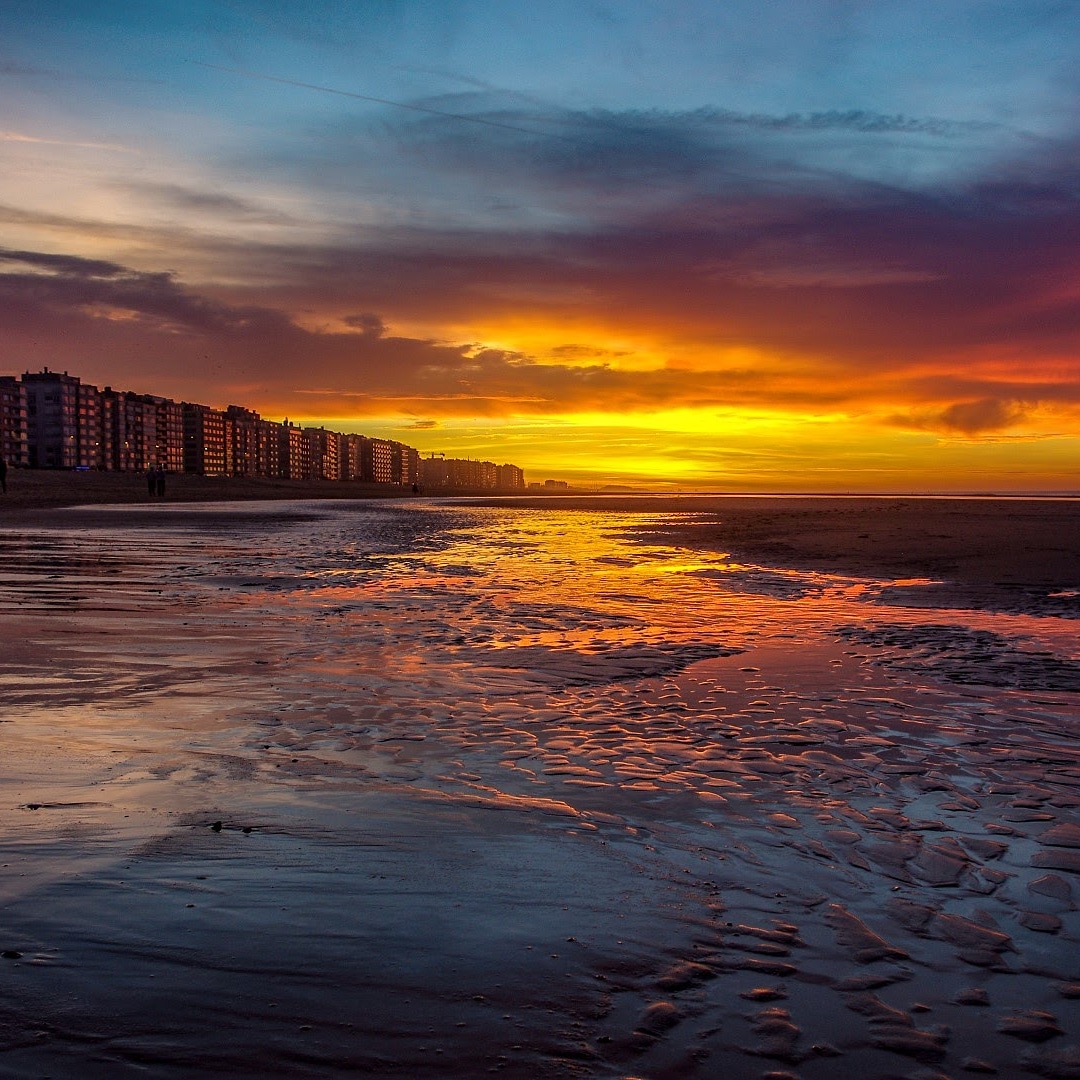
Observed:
{"x":817,"y":247}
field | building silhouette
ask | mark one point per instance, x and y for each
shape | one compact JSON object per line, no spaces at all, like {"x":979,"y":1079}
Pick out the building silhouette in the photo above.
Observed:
{"x":439,"y":473}
{"x":53,"y":420}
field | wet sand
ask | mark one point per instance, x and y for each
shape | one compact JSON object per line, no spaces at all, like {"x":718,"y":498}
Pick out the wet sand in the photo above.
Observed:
{"x":971,"y":540}
{"x":416,"y":789}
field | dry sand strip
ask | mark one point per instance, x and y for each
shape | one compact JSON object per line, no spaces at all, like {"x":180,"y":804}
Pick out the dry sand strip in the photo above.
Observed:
{"x":38,"y":489}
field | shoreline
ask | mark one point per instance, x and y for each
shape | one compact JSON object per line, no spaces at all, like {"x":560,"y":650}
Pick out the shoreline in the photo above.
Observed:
{"x":1003,"y":542}
{"x":41,"y":489}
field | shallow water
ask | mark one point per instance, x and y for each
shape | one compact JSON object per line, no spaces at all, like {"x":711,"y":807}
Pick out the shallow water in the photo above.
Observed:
{"x":431,"y":789}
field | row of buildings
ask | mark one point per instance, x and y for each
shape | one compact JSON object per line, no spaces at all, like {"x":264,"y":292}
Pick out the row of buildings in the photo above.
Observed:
{"x":53,"y":420}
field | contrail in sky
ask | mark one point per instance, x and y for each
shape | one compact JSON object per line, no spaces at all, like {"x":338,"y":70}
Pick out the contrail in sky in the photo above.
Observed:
{"x":382,"y":101}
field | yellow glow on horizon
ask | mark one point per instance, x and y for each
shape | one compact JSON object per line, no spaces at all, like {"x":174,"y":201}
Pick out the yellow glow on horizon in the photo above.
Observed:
{"x":748,"y":449}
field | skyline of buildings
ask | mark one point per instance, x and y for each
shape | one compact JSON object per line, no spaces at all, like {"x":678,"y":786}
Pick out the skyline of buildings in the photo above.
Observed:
{"x":54,"y":420}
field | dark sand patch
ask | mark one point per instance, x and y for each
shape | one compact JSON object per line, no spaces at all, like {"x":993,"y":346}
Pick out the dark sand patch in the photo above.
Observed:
{"x":1003,"y":542}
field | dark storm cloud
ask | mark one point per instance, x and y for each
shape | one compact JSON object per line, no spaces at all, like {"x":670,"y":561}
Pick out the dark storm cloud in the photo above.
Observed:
{"x":56,"y":284}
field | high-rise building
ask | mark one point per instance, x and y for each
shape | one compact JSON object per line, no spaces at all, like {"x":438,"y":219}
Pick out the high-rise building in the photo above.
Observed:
{"x":204,"y":440}
{"x":242,"y":435}
{"x":404,"y":465}
{"x":294,"y":455}
{"x":509,"y":478}
{"x":13,"y":445}
{"x":53,"y":420}
{"x":324,"y":453}
{"x":464,"y":474}
{"x":63,"y":421}
{"x":267,"y":448}
{"x":169,"y":434}
{"x":131,"y":434}
{"x":382,"y":462}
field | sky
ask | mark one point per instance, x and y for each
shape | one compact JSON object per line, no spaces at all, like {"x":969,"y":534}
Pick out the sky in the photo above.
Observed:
{"x":751,"y":245}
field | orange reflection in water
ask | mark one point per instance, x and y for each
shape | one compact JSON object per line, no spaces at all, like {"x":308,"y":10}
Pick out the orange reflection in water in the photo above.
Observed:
{"x":557,"y":650}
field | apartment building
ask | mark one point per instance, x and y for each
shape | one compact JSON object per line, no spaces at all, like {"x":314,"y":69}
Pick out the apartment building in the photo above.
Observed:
{"x":53,"y":420}
{"x":323,"y":453}
{"x":461,"y":474}
{"x":267,"y":448}
{"x":129,"y":427}
{"x":205,"y":450}
{"x":169,"y":433}
{"x":352,"y":457}
{"x":509,"y":478}
{"x":242,"y":435}
{"x":382,"y":462}
{"x":63,"y":421}
{"x":13,"y":439}
{"x":294,"y":452}
{"x":404,"y":465}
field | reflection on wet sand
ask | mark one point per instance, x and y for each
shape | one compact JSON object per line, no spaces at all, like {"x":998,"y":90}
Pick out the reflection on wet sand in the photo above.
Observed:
{"x":441,"y":790}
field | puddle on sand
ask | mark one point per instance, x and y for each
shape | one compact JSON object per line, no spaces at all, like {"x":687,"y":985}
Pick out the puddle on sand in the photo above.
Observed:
{"x":521,"y":794}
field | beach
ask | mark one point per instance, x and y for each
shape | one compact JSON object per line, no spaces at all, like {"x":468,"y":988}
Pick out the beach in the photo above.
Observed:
{"x":566,"y":787}
{"x":40,"y":489}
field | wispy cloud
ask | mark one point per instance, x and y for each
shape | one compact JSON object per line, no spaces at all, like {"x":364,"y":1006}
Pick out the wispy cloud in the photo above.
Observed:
{"x":74,"y":144}
{"x":200,"y":200}
{"x":409,"y":106}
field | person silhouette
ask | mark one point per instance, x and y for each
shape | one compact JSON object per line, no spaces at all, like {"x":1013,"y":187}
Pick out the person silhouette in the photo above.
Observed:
{"x":159,"y":481}
{"x":3,"y":476}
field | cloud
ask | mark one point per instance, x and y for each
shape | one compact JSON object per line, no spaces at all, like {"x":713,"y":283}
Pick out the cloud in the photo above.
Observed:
{"x":55,"y":284}
{"x":689,"y":223}
{"x":972,"y":418}
{"x":989,"y":414}
{"x":70,"y":266}
{"x":368,"y":323}
{"x":546,"y":151}
{"x":201,"y":201}
{"x":409,"y":106}
{"x":744,"y":276}
{"x":97,"y":315}
{"x":861,"y":120}
{"x":19,"y":137}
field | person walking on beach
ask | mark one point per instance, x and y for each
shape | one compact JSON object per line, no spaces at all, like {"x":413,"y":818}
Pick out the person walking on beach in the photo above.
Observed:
{"x":151,"y":481}
{"x":159,"y":481}
{"x":3,"y":476}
